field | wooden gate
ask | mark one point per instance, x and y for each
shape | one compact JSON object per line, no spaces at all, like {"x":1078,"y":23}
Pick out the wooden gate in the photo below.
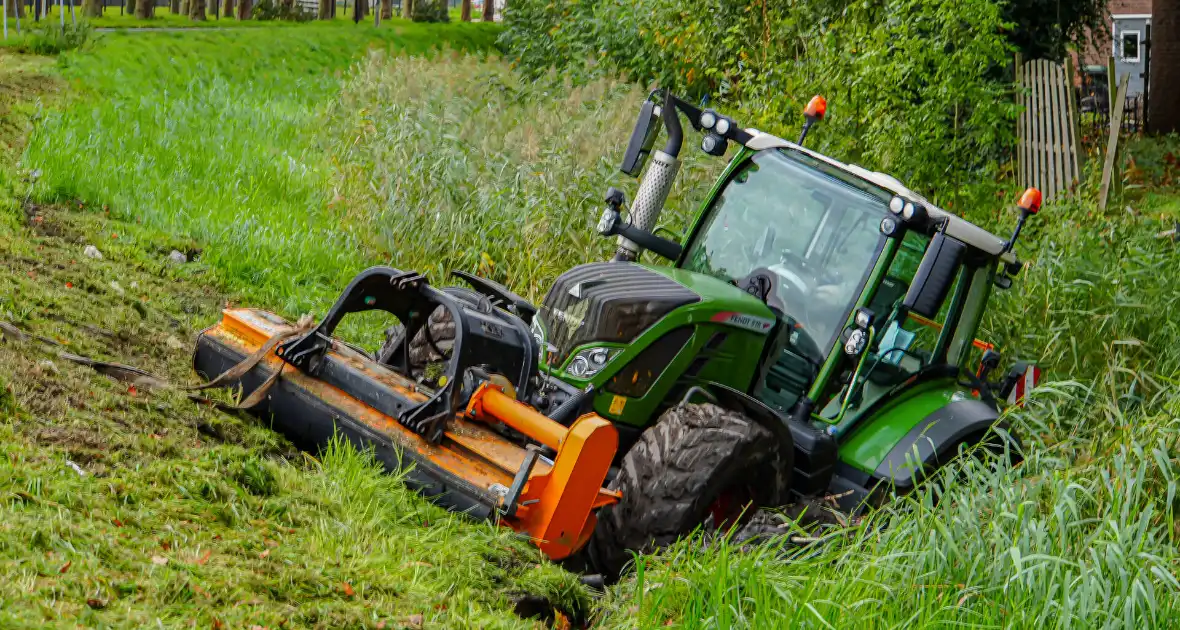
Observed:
{"x":1048,"y":149}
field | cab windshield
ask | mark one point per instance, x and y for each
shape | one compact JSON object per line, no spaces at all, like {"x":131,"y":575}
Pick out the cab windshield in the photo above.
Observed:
{"x":810,"y":228}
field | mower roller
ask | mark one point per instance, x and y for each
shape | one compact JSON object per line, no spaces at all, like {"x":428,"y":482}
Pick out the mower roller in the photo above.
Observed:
{"x":813,"y":335}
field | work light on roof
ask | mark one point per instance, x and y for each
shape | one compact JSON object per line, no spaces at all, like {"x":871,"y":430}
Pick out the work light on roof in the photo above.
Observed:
{"x":896,"y":205}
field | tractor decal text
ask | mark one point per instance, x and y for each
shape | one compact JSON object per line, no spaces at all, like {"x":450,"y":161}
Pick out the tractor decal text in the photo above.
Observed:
{"x":742,"y":320}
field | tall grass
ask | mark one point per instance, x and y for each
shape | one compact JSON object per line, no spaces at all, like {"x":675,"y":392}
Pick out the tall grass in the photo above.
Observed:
{"x":457,"y":162}
{"x":215,"y":135}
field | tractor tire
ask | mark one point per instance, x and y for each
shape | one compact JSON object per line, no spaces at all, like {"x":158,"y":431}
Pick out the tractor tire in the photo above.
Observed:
{"x":422,"y":353}
{"x":694,"y":457}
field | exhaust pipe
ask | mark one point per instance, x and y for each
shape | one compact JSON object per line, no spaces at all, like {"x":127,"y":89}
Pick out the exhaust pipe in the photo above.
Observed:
{"x":657,"y":182}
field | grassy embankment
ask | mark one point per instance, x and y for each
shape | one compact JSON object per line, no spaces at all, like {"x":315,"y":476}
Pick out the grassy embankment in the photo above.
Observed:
{"x":124,"y":507}
{"x":287,"y":190}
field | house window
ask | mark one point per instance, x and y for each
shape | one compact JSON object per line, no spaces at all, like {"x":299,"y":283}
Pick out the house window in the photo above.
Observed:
{"x":1129,"y":46}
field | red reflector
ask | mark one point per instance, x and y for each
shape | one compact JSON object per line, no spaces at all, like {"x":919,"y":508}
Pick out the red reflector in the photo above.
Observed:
{"x":1026,"y":383}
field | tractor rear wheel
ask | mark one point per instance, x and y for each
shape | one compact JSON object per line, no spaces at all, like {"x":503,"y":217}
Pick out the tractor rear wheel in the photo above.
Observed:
{"x":698,"y":466}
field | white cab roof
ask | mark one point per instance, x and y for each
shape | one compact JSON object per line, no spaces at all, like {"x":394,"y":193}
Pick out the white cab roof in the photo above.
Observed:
{"x":957,"y":226}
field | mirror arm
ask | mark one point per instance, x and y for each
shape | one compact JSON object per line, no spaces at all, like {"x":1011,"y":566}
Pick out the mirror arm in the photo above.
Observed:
{"x":657,"y":244}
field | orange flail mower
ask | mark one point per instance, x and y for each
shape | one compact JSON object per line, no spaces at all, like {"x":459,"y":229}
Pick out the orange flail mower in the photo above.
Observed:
{"x":453,"y":440}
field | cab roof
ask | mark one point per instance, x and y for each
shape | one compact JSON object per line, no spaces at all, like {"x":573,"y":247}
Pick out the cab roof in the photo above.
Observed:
{"x":958,"y":227}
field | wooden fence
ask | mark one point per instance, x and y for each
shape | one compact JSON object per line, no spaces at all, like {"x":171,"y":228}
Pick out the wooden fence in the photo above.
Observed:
{"x":1047,"y":154}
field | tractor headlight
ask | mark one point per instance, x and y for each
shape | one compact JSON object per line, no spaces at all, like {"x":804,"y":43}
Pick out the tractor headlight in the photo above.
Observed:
{"x":855,"y":343}
{"x":589,"y":362}
{"x":914,"y":212}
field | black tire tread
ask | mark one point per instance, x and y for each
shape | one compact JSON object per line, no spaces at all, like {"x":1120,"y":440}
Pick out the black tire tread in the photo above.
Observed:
{"x":673,"y":474}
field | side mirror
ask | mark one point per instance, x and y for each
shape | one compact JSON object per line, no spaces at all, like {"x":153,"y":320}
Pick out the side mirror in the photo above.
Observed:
{"x":643,"y":137}
{"x":935,"y":276}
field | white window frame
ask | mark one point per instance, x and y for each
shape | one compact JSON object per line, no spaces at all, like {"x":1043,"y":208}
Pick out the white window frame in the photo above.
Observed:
{"x":1138,"y":47}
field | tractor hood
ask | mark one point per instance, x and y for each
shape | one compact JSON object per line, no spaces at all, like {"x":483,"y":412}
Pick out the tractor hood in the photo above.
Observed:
{"x":608,"y":302}
{"x":613,"y":302}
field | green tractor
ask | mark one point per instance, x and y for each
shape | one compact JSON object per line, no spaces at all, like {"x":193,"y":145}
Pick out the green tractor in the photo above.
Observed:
{"x":814,"y":334}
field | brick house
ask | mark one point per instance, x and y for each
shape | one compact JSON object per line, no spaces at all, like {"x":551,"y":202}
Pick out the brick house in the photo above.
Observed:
{"x":1130,"y":23}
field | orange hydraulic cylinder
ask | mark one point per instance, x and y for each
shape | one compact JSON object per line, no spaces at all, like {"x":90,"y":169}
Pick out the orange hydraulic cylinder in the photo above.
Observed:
{"x":490,"y":401}
{"x":558,"y":507}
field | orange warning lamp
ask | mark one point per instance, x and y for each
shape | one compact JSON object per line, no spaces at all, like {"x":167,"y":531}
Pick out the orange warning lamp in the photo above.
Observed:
{"x":816,"y":107}
{"x":1030,"y":201}
{"x":1030,"y":204}
{"x":813,"y":113}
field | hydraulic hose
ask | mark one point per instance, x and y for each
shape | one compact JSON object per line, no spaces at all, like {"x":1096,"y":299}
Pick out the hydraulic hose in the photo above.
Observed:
{"x":671,"y":118}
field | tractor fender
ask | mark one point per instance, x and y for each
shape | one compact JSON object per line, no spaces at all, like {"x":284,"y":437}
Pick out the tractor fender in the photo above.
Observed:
{"x":754,"y":409}
{"x":935,"y":441}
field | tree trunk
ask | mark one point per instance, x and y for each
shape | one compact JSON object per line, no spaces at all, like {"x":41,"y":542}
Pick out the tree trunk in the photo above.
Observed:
{"x":174,"y":7}
{"x":386,"y":9}
{"x":14,"y":6}
{"x":1164,"y":91}
{"x":227,"y":8}
{"x":183,"y":7}
{"x":245,"y":9}
{"x":90,"y":8}
{"x":130,"y":10}
{"x":489,"y":10}
{"x":360,"y":9}
{"x":145,"y":9}
{"x":407,"y":8}
{"x":465,"y":12}
{"x":325,"y":10}
{"x":196,"y":9}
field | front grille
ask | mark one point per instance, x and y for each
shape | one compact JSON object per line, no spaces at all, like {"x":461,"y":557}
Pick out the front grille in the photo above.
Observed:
{"x":608,"y":301}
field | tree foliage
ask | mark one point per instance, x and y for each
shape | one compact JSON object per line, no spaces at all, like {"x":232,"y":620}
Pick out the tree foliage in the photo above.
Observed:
{"x":916,"y":87}
{"x":430,"y":11}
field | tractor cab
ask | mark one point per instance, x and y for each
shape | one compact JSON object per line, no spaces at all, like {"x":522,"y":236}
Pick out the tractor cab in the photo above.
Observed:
{"x":820,"y":243}
{"x":876,"y":293}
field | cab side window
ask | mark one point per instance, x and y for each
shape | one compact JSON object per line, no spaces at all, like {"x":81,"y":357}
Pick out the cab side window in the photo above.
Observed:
{"x":904,"y":345}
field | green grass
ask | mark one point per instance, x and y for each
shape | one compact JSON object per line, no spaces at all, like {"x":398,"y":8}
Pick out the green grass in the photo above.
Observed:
{"x":291,"y":166}
{"x":215,"y":135}
{"x":184,"y":515}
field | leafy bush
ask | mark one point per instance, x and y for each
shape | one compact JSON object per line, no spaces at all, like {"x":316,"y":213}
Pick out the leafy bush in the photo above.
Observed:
{"x":916,"y":87}
{"x":52,"y":40}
